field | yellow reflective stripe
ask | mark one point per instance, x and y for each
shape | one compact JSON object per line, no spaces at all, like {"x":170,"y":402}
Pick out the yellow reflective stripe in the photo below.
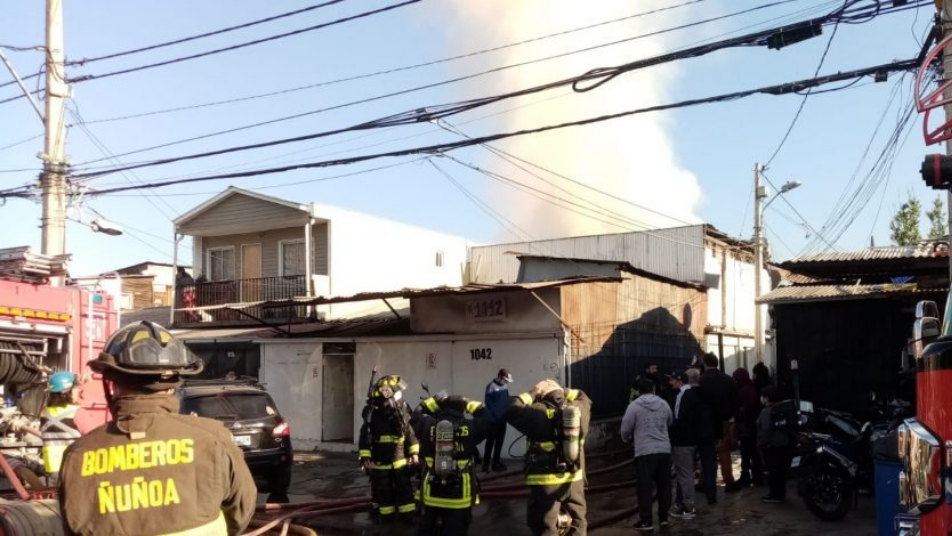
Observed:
{"x":571,"y":395}
{"x":526,"y":399}
{"x":550,"y":413}
{"x":395,"y":465}
{"x":387,"y":510}
{"x":429,"y":461}
{"x":552,"y":479}
{"x":364,"y":453}
{"x":463,"y":502}
{"x":431,"y":404}
{"x":415,"y":449}
{"x":53,"y":456}
{"x":472,"y":406}
{"x":462,"y":464}
{"x":547,"y":446}
{"x":218,"y":526}
{"x":390,"y":439}
{"x":404,"y":508}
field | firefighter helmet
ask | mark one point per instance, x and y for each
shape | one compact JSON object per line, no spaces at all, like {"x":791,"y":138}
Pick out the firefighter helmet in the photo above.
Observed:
{"x":145,"y":348}
{"x":61,"y":382}
{"x":389,"y":386}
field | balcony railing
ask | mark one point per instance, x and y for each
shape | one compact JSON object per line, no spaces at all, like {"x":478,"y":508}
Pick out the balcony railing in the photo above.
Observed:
{"x":240,"y":291}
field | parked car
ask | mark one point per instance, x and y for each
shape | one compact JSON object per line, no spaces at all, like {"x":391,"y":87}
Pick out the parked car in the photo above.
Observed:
{"x":255,"y":423}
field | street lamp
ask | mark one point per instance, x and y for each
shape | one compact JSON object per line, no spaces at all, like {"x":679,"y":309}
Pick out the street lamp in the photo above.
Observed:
{"x":760,"y":193}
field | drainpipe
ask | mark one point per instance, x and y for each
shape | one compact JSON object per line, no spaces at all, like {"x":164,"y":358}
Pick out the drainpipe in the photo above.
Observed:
{"x":308,"y":269}
{"x":175,"y":240}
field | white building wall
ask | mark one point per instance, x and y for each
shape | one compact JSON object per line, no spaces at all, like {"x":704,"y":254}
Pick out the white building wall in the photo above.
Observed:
{"x":370,"y":254}
{"x":293,"y":372}
{"x":737,"y":289}
{"x":524,"y":313}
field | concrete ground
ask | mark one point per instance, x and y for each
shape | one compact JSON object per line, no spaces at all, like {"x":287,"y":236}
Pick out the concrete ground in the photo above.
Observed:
{"x":333,"y":475}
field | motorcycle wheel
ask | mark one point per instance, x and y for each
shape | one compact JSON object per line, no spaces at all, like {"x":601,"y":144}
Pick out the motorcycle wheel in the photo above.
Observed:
{"x":829,"y":495}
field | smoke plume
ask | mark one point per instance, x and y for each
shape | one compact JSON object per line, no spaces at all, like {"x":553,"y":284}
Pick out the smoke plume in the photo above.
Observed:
{"x":633,"y":158}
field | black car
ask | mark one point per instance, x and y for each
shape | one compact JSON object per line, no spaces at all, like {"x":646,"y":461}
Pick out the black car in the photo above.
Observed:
{"x":256,"y":427}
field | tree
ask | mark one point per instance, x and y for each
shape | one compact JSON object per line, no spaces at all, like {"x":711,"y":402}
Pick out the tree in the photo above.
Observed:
{"x":937,"y":221}
{"x":905,"y":224}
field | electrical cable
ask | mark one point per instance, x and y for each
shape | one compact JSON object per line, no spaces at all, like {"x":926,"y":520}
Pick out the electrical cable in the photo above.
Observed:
{"x":692,"y":52}
{"x":88,"y":77}
{"x":21,"y":49}
{"x":77,"y":116}
{"x":600,"y":76}
{"x":778,"y":89}
{"x":392,"y":70}
{"x":806,"y":96}
{"x":84,"y":61}
{"x":797,"y":212}
{"x":506,"y":223}
{"x":17,"y":143}
{"x":509,"y":157}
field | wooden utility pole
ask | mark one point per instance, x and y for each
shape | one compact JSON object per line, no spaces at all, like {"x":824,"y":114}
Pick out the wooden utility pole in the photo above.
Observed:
{"x":53,"y":176}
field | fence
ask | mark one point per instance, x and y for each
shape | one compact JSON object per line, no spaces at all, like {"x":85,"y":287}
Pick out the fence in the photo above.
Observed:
{"x":236,"y":292}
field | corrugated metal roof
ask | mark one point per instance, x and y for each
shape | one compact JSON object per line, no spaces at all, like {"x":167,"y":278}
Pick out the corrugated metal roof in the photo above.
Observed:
{"x":384,"y":323}
{"x":923,"y":250}
{"x":677,"y":253}
{"x":805,"y":293}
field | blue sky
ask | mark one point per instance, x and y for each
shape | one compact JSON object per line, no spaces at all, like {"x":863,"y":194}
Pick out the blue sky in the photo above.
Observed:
{"x":695,"y":164}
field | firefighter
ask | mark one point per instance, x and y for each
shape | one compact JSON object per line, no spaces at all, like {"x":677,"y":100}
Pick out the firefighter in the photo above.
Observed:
{"x":555,"y":423}
{"x":387,"y":444}
{"x":151,"y":470}
{"x":448,"y":443}
{"x":57,"y":428}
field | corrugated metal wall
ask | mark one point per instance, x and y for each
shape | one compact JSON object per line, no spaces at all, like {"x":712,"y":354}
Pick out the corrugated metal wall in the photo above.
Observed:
{"x":619,"y":328}
{"x":677,"y":253}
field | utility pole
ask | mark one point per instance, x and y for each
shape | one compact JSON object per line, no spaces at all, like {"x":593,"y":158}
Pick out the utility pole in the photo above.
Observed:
{"x":53,"y":176}
{"x":760,"y":193}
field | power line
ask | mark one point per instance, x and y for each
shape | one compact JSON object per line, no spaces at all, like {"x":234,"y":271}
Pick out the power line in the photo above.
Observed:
{"x":803,"y":101}
{"x":17,"y":143}
{"x":88,"y":77}
{"x":660,"y":59}
{"x":106,"y":152}
{"x":482,"y":205}
{"x":84,"y":61}
{"x":395,"y":69}
{"x":778,"y":89}
{"x":797,"y":212}
{"x":511,"y":159}
{"x":598,"y":77}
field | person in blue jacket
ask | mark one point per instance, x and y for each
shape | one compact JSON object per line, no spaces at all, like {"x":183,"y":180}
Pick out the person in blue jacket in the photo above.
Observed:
{"x":497,"y":401}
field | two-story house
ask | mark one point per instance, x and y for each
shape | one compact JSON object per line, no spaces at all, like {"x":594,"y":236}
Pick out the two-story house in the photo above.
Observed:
{"x":249,"y":247}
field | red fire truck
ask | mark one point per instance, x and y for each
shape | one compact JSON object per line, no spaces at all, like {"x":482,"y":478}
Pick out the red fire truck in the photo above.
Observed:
{"x":61,"y":328}
{"x":925,"y":442}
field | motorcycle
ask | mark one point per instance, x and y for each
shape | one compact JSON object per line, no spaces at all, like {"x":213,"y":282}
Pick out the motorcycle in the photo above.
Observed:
{"x":833,"y":470}
{"x":836,"y":459}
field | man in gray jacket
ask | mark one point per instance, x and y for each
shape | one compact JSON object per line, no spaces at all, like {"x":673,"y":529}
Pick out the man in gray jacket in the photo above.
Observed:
{"x":646,"y":423}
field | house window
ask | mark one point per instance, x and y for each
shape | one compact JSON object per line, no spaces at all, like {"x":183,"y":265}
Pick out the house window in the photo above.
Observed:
{"x":439,"y":259}
{"x":292,"y":257}
{"x":221,"y":264}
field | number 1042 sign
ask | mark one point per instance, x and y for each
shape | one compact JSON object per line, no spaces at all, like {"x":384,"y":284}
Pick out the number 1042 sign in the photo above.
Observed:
{"x":486,"y":310}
